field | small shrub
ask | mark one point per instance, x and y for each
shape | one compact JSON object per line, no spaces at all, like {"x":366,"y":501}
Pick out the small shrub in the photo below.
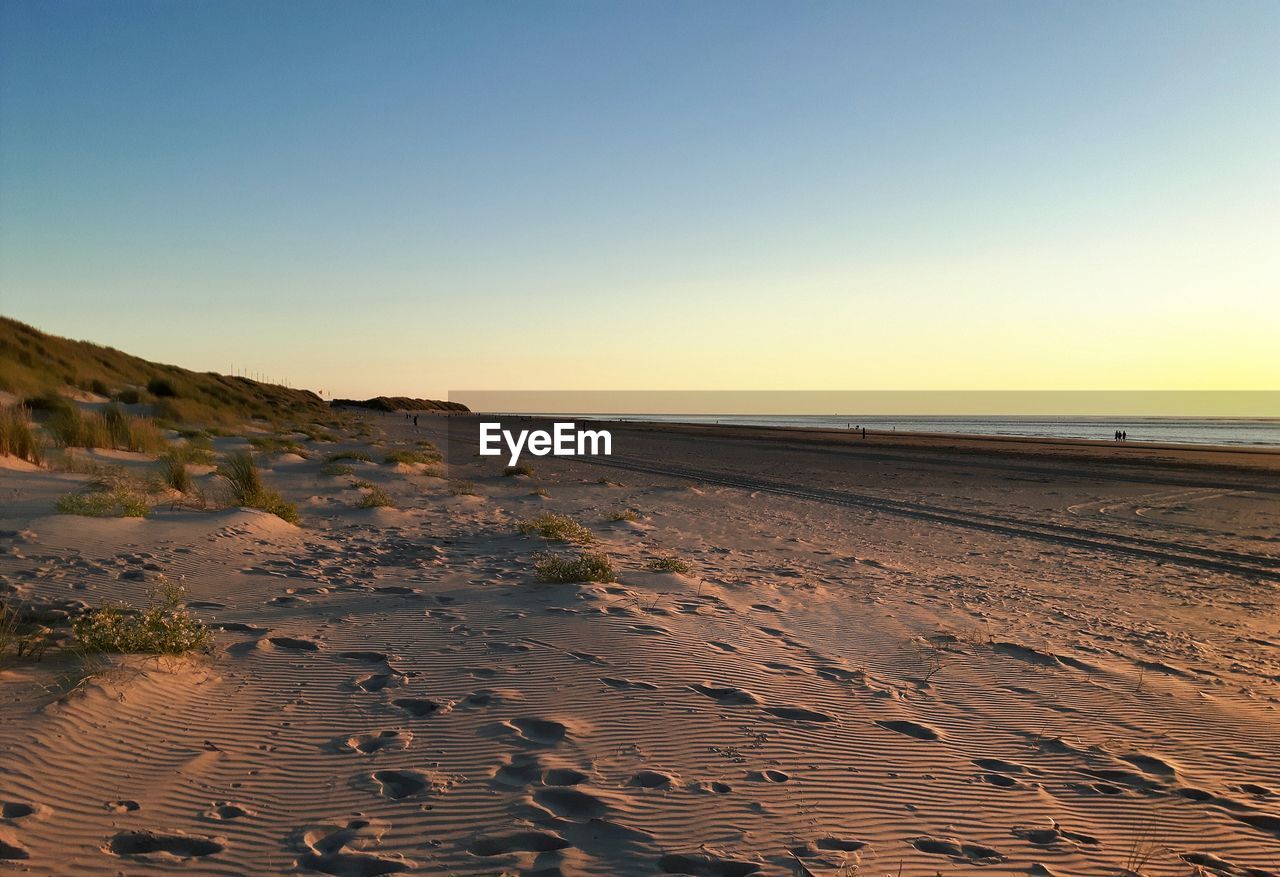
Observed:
{"x":668,"y":564}
{"x":585,"y":567}
{"x":173,"y":471}
{"x":463,"y":488}
{"x":277,"y":445}
{"x":377,"y":498}
{"x":411,"y":457}
{"x":624,"y":515}
{"x":18,"y":436}
{"x":162,"y":388}
{"x":164,"y":628}
{"x":129,"y":396}
{"x":337,"y":470}
{"x":240,"y":473}
{"x":522,"y":469}
{"x":103,"y":504}
{"x":357,"y":456}
{"x":556,"y":528}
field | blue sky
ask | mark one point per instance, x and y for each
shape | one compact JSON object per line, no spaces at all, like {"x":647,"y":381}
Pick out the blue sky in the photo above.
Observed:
{"x":414,"y":197}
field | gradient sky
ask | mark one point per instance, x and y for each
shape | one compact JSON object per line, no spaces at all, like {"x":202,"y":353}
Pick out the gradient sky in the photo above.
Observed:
{"x":416,"y":197}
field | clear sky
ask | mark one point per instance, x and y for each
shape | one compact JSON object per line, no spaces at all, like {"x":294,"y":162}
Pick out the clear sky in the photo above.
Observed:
{"x":416,"y":197}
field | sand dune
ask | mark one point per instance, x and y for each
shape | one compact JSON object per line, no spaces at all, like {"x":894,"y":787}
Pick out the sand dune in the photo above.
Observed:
{"x":975,"y":665}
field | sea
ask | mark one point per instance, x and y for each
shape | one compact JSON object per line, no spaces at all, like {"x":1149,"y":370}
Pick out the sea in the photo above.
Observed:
{"x":1231,"y":432}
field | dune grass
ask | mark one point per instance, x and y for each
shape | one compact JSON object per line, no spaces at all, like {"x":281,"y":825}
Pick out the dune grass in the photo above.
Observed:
{"x":411,"y":457}
{"x":584,"y":567}
{"x":240,"y":473}
{"x":111,"y":427}
{"x":520,"y":469}
{"x":669,"y":563}
{"x":624,"y":515}
{"x":556,"y":528}
{"x":18,"y":437}
{"x":33,"y":363}
{"x":173,"y":471}
{"x":274,"y":444}
{"x":164,"y":628}
{"x":354,"y":456}
{"x":337,"y":470}
{"x":459,"y":487}
{"x":106,"y":497}
{"x":377,"y":498}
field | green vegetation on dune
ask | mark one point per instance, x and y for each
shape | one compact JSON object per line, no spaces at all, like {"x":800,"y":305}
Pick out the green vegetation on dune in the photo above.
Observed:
{"x":240,"y":473}
{"x":34,"y":364}
{"x":400,"y":403}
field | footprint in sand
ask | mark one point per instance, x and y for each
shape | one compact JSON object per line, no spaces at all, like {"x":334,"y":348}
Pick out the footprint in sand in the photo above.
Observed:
{"x":11,"y":851}
{"x":375,"y":682}
{"x":822,"y":845}
{"x":798,"y":714}
{"x":703,"y":865}
{"x":184,"y":846}
{"x":365,"y":657}
{"x":400,"y":784}
{"x":957,"y":850}
{"x":380,"y":741}
{"x":726,"y":694}
{"x":294,"y":643}
{"x":767,"y":776}
{"x":539,"y":732}
{"x":570,"y":803}
{"x":123,"y":806}
{"x":911,"y":729}
{"x":651,"y":779}
{"x":564,"y":776}
{"x":519,"y":771}
{"x":326,"y":851}
{"x":628,"y":684}
{"x":224,"y":810}
{"x":419,"y":707}
{"x":518,"y":842}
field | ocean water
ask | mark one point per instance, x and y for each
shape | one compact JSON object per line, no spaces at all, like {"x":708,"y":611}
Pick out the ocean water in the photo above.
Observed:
{"x":1252,"y":432}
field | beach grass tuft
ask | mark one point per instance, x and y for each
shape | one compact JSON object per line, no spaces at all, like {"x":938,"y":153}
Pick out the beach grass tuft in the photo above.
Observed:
{"x":377,"y":498}
{"x":556,"y":528}
{"x":18,"y":437}
{"x":583,"y":567}
{"x":669,"y":563}
{"x":240,"y":473}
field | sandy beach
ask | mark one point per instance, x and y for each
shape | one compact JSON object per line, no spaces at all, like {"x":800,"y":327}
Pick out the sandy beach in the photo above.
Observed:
{"x":899,"y":658}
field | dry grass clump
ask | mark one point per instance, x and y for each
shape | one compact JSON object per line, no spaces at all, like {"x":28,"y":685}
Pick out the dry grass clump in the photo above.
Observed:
{"x":356,"y":456}
{"x":556,"y":528}
{"x":377,"y":498}
{"x":165,"y":627}
{"x":337,"y":470}
{"x":521,"y":469}
{"x":624,"y":515}
{"x":411,"y":457}
{"x":459,"y":487}
{"x":111,"y":494}
{"x":669,"y":563}
{"x":584,"y":567}
{"x":274,"y":444}
{"x":110,"y":427}
{"x":240,"y":473}
{"x":173,"y":471}
{"x":18,"y":437}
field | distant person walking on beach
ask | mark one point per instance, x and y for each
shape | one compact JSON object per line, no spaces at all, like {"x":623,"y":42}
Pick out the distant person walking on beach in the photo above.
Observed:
{"x":415,"y":421}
